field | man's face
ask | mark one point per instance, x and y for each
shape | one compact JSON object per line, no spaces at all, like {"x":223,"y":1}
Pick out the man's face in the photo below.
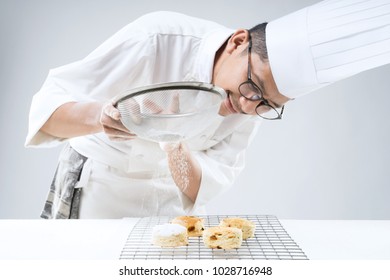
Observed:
{"x":231,"y":70}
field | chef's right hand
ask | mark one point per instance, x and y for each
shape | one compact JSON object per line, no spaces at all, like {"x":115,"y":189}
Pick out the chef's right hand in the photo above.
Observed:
{"x":112,"y":125}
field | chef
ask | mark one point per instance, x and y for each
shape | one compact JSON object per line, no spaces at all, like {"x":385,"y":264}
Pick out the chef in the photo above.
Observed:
{"x":105,"y":171}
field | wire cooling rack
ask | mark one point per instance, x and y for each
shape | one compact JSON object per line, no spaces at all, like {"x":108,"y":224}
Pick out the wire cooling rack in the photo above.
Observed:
{"x":271,"y":242}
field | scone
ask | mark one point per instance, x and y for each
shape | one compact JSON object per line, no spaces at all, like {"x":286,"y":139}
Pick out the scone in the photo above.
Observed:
{"x":247,"y":227}
{"x":222,"y":237}
{"x":194,"y":225}
{"x":170,"y":235}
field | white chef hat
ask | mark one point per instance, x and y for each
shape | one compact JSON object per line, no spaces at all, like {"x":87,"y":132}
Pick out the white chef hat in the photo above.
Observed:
{"x":327,"y":42}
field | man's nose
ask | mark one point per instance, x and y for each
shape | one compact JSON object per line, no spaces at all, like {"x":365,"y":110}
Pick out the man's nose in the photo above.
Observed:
{"x":247,"y":106}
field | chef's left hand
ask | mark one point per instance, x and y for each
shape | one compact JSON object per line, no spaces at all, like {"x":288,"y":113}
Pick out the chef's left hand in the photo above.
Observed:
{"x":112,"y":125}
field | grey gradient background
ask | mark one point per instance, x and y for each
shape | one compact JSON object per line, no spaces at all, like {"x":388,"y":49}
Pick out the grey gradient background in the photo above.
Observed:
{"x":328,"y":159}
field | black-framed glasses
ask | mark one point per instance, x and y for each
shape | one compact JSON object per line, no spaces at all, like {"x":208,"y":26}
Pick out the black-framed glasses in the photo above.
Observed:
{"x":252,"y":92}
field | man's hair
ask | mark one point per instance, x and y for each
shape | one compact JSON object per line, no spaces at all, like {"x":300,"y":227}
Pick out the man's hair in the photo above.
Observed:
{"x":258,"y":40}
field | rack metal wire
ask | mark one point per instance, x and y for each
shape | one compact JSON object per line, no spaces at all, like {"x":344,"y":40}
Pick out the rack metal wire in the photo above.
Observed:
{"x":271,"y":242}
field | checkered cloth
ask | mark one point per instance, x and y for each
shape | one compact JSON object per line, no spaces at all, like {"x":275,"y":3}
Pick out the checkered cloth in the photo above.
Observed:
{"x":63,"y":200}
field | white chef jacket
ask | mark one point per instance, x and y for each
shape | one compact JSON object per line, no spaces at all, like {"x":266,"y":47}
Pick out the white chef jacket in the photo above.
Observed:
{"x":132,"y":178}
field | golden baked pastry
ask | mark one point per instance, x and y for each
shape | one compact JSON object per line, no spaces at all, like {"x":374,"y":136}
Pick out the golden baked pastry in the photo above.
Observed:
{"x":222,"y":237}
{"x":194,"y":225}
{"x":247,"y":227}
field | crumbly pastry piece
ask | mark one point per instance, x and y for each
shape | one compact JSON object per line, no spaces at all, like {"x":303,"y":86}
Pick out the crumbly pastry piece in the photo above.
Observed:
{"x":170,"y":235}
{"x":247,"y":227}
{"x":222,"y":237}
{"x":194,"y":225}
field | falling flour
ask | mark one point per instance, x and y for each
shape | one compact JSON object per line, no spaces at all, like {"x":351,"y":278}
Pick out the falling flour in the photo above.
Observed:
{"x":180,"y":168}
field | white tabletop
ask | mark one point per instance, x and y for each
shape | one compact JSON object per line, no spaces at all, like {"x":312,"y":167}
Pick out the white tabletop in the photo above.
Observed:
{"x":341,"y":239}
{"x":104,"y":239}
{"x":63,"y":239}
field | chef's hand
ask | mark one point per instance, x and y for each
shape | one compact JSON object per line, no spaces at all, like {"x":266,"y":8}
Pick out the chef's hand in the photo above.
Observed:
{"x":112,"y":125}
{"x":110,"y":117}
{"x":154,"y":108}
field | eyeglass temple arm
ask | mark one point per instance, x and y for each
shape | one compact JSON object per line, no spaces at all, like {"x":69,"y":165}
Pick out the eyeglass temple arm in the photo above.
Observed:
{"x":249,"y":56}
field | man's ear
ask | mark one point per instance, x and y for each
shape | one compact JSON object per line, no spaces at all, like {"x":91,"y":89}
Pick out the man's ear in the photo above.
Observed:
{"x":239,"y":38}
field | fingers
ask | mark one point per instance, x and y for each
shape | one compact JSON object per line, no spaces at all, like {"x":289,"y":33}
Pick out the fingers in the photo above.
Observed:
{"x":132,"y":108}
{"x":118,"y":135}
{"x":175,"y":103}
{"x":111,"y":111}
{"x":152,"y":106}
{"x":112,"y":125}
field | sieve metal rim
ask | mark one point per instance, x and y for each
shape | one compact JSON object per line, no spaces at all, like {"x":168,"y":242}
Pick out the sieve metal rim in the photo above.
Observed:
{"x":167,"y":116}
{"x":169,"y":86}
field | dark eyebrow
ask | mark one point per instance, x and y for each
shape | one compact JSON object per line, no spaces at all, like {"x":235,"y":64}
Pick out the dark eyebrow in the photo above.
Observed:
{"x":260,"y":84}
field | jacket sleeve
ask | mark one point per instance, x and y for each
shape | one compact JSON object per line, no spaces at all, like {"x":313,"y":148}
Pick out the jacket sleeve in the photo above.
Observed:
{"x":104,"y":73}
{"x":222,"y":163}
